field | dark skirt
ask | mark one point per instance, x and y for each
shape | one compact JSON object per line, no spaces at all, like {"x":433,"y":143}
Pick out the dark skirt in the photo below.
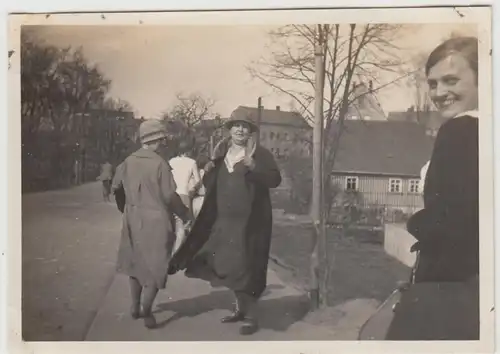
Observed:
{"x":437,"y":311}
{"x":223,"y":260}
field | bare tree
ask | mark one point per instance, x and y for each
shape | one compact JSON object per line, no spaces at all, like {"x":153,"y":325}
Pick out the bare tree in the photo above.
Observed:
{"x":192,"y":117}
{"x":352,"y":53}
{"x":117,"y":104}
{"x":190,"y":109}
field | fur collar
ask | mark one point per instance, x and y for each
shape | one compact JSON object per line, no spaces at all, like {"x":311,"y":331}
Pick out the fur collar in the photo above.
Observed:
{"x":222,"y":147}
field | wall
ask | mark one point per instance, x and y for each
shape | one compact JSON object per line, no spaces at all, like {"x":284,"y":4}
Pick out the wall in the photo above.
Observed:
{"x":397,"y":243}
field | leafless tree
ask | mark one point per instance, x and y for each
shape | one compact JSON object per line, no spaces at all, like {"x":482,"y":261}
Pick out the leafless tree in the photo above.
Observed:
{"x":190,"y":109}
{"x":352,"y":53}
{"x":117,"y":104}
{"x":192,"y":117}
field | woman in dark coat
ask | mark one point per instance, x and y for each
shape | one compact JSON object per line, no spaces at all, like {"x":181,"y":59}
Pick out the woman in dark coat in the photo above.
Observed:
{"x":443,"y":301}
{"x":230,"y":240}
{"x":146,"y":194}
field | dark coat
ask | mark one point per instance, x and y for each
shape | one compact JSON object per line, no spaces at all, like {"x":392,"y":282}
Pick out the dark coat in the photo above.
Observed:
{"x":145,"y":192}
{"x":264,"y":176}
{"x":447,"y":228}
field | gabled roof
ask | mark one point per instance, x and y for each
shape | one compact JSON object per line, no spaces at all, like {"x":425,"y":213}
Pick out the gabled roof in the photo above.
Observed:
{"x":276,"y":116}
{"x":430,"y":119}
{"x":383,"y":147}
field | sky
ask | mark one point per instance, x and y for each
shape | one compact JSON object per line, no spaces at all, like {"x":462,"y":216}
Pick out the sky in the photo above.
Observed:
{"x":148,"y":65}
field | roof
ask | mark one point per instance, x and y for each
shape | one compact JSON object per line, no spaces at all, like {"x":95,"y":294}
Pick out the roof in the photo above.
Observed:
{"x":383,"y":147}
{"x":430,"y":119}
{"x":276,"y":117}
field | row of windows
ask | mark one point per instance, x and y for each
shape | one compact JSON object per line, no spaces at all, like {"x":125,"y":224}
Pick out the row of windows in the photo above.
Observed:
{"x":395,"y":185}
{"x":279,"y":136}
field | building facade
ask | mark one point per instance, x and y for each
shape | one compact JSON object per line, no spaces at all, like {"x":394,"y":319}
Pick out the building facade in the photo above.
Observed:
{"x":381,"y":161}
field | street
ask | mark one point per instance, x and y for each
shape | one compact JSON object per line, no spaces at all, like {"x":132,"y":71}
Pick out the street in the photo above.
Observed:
{"x":72,"y":293}
{"x":69,"y":242}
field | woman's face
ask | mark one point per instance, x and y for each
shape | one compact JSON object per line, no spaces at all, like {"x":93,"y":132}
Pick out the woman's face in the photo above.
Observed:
{"x":453,"y":86}
{"x":240,"y":132}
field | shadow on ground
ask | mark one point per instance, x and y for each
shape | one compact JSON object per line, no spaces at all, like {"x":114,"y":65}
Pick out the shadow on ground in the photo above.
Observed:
{"x":276,"y":314}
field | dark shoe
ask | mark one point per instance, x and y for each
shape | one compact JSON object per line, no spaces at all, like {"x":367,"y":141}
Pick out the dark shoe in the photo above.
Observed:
{"x":135,"y":312}
{"x":249,"y":326}
{"x":149,"y":321}
{"x":236,"y":316}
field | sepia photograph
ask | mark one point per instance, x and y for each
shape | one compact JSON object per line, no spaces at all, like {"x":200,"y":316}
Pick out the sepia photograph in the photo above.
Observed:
{"x":302,"y":176}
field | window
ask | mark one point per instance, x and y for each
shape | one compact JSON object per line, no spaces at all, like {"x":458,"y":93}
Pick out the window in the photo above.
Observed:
{"x":395,"y":185}
{"x":285,"y":137}
{"x":277,"y":136}
{"x":271,"y":135}
{"x":351,"y":183}
{"x":413,"y":186}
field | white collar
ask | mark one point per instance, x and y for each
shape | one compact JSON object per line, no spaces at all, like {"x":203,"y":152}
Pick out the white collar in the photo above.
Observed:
{"x":473,"y":113}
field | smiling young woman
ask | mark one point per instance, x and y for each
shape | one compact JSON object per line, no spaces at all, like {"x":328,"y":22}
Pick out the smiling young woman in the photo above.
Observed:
{"x":442,"y":303}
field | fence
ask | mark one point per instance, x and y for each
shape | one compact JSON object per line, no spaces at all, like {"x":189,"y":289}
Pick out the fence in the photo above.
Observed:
{"x":349,"y":209}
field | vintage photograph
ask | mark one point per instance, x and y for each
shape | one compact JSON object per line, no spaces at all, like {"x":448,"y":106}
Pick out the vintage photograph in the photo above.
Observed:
{"x":300,"y":181}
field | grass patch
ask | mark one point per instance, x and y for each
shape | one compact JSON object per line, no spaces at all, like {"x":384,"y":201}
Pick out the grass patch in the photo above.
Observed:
{"x":360,"y":267}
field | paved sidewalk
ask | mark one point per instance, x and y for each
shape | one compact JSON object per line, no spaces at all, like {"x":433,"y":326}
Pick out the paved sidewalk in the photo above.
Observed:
{"x":190,"y":310}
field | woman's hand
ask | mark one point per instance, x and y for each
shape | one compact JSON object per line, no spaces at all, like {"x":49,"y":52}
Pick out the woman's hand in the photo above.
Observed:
{"x":248,"y":160}
{"x":209,"y":166}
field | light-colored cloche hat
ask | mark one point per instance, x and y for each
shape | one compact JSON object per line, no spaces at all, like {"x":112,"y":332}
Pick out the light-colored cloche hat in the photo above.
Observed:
{"x":151,"y":130}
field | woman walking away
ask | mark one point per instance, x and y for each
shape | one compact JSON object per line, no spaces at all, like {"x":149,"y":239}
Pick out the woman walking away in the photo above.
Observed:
{"x":230,"y":240}
{"x":186,"y":177}
{"x":145,"y":192}
{"x":106,"y":177}
{"x":445,"y":278}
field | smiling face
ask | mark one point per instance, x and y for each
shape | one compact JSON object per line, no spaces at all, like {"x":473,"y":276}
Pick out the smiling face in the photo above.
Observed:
{"x":453,"y":86}
{"x":240,"y":132}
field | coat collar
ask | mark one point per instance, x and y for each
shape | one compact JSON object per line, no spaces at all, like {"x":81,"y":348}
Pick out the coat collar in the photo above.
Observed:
{"x":222,"y":147}
{"x":146,"y":153}
{"x":473,"y":113}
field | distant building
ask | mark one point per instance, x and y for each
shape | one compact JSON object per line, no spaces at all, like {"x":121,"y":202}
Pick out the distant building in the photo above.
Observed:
{"x":382,"y":160}
{"x":365,"y":105}
{"x":431,"y":120}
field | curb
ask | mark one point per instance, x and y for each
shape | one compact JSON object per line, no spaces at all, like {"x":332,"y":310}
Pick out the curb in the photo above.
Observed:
{"x":279,"y":263}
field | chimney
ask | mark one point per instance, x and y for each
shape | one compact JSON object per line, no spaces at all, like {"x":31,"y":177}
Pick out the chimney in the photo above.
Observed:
{"x":278,"y":108}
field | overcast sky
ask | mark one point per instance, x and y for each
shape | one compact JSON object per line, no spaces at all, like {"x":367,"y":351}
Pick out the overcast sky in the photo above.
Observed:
{"x":149,"y":64}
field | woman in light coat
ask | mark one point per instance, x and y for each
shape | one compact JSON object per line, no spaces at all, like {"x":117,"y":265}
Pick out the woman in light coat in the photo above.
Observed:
{"x":146,"y":194}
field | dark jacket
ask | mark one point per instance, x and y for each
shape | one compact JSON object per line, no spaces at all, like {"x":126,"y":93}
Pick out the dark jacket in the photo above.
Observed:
{"x":447,"y":228}
{"x":266,"y":175}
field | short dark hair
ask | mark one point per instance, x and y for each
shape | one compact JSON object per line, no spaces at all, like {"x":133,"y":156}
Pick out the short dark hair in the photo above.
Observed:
{"x":185,"y":145}
{"x":465,"y":46}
